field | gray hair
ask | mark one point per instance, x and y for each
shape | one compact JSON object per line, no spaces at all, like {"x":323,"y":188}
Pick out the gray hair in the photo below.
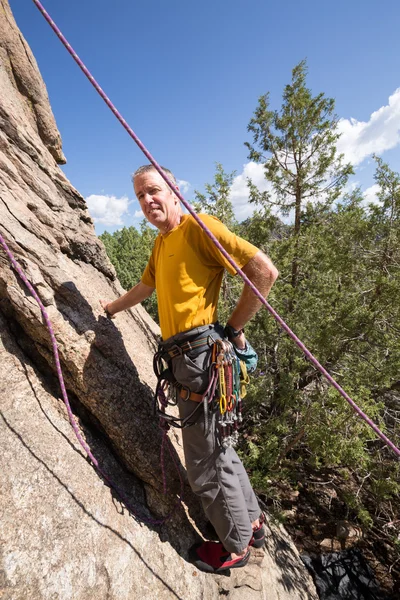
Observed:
{"x":147,"y":168}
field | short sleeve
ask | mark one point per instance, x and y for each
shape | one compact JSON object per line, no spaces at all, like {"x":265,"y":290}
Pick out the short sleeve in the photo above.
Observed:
{"x":239,"y":249}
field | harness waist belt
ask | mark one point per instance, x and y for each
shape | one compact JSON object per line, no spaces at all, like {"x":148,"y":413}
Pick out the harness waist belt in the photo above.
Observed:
{"x":178,"y":349}
{"x":186,"y":395}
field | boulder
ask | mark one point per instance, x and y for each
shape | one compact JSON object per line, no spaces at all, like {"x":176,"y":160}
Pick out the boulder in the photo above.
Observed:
{"x":64,"y":532}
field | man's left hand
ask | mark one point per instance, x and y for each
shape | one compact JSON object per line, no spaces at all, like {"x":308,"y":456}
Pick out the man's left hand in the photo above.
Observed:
{"x":239,"y":341}
{"x":235,"y":336}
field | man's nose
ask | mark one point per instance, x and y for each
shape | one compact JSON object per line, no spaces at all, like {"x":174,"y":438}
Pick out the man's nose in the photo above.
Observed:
{"x":147,"y":198}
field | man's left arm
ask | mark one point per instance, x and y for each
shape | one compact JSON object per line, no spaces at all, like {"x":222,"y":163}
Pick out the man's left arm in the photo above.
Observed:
{"x":262,"y":273}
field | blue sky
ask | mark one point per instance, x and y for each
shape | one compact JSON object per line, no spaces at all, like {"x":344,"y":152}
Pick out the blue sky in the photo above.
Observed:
{"x":187,"y":77}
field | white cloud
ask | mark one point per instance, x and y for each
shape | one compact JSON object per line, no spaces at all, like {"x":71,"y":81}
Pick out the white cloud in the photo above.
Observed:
{"x":371,"y":194}
{"x":107,"y":210}
{"x":184,"y":186}
{"x":382,"y":132}
{"x":359,"y":140}
{"x":240,"y":192}
{"x":138,"y":214}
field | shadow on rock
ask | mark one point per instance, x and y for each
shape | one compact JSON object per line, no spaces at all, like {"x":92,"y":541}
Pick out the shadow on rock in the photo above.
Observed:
{"x":120,"y":407}
{"x":292,"y":575}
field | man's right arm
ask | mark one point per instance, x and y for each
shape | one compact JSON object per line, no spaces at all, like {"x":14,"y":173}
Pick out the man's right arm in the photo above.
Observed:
{"x":137,"y":294}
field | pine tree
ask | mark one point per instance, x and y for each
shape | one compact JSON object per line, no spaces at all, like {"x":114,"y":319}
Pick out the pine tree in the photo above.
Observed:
{"x":216,"y":201}
{"x":298,"y":149}
{"x":348,"y":314}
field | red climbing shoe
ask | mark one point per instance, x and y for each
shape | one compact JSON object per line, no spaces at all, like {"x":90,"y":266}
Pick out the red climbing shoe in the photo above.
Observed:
{"x":258,"y":539}
{"x":212,"y":557}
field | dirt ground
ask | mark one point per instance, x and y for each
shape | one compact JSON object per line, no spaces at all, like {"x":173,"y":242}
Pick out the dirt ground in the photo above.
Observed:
{"x":320,"y":519}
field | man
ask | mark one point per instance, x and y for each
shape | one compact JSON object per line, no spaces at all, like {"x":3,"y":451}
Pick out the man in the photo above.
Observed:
{"x":186,"y":269}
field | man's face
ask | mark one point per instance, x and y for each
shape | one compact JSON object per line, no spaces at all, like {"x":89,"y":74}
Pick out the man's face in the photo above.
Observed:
{"x":159,"y":204}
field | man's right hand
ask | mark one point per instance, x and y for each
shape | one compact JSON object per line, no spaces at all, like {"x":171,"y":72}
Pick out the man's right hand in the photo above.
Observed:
{"x":135,"y":295}
{"x":105,"y":306}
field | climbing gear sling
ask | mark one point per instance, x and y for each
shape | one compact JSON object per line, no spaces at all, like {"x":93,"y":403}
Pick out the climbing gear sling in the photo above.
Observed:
{"x":221,"y":381}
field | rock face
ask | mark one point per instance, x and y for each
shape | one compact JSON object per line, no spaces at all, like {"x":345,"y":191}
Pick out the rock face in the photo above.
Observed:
{"x":64,"y":534}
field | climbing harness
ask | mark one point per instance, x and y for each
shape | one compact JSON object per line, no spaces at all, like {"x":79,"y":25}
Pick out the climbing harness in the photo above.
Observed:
{"x":223,"y":395}
{"x":168,"y":389}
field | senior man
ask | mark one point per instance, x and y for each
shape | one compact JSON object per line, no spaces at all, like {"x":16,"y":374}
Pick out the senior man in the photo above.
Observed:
{"x":186,"y":269}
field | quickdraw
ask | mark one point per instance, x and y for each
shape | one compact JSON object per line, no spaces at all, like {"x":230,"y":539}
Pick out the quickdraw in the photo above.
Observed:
{"x":230,"y":403}
{"x":224,"y":393}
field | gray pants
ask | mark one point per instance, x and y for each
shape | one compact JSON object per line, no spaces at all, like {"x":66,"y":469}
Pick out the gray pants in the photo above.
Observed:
{"x":215,"y":474}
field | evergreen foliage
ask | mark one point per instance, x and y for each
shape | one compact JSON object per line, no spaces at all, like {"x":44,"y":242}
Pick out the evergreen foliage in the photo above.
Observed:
{"x":345,"y":309}
{"x":298,"y":149}
{"x":129,"y":251}
{"x":334,"y":262}
{"x":338,"y":289}
{"x":216,"y":201}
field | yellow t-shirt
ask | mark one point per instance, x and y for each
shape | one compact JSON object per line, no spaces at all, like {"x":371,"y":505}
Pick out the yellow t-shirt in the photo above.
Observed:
{"x":186,"y":269}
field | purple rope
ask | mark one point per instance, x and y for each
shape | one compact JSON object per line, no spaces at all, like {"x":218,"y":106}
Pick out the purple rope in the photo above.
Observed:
{"x":67,"y":404}
{"x":281,"y":322}
{"x":164,"y":428}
